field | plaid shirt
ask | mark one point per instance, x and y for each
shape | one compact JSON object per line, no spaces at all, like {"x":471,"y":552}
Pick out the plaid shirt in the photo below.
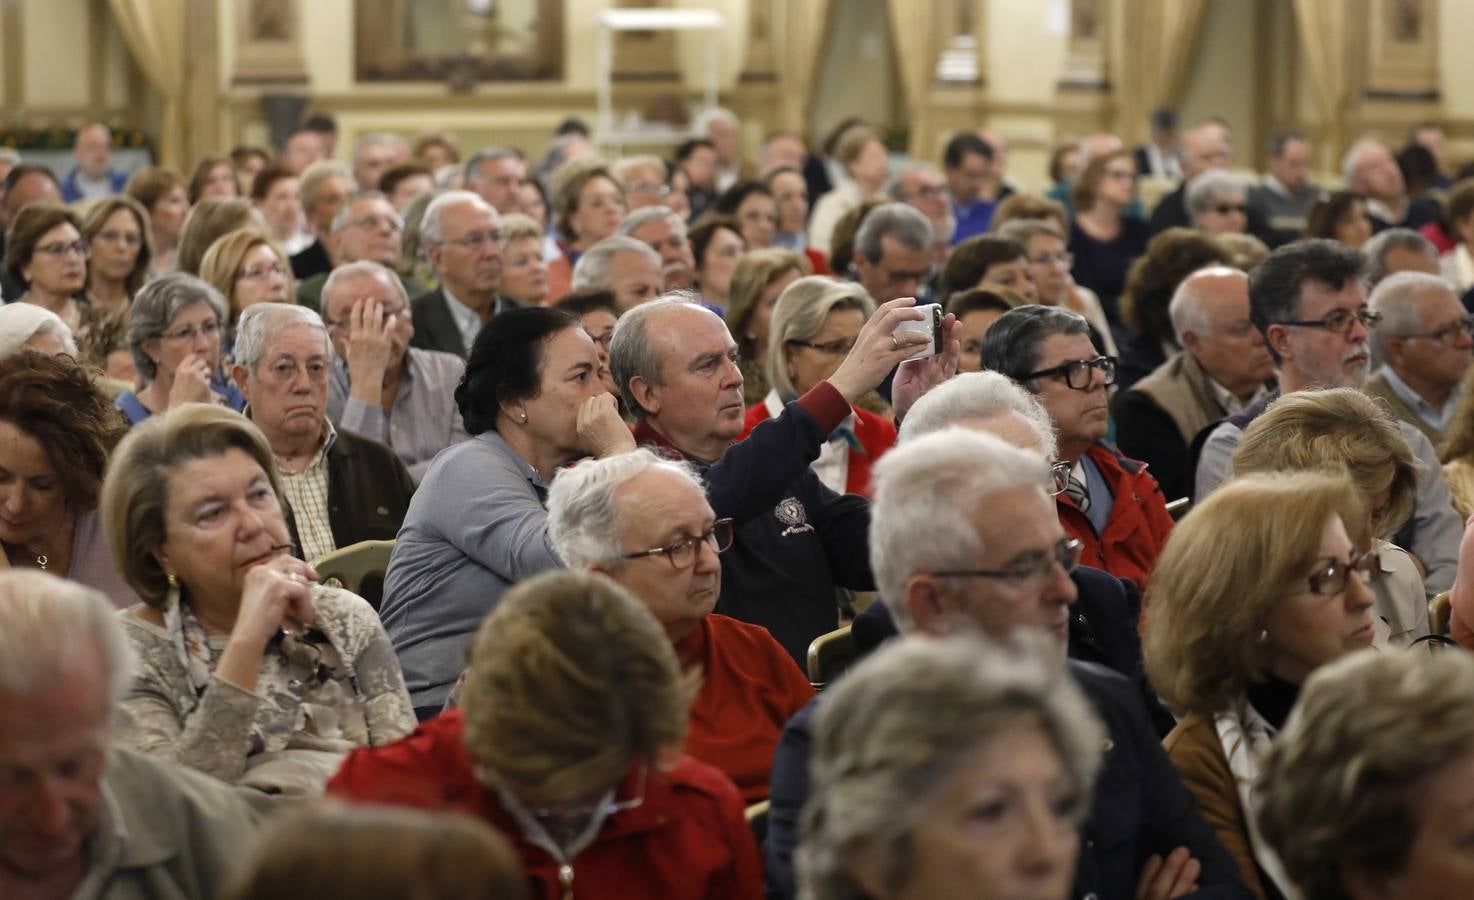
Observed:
{"x":307,"y":494}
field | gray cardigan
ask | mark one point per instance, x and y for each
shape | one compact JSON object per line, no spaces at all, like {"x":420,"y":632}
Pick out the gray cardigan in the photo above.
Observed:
{"x":476,"y":526}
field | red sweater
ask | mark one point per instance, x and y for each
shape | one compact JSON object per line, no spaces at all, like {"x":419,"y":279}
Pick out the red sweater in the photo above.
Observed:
{"x":876,"y":436}
{"x":750,"y":689}
{"x":686,"y":841}
{"x":1139,"y":525}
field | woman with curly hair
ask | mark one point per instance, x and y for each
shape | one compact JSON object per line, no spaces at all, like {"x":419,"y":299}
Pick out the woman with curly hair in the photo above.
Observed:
{"x":57,"y":429}
{"x":1170,"y":257}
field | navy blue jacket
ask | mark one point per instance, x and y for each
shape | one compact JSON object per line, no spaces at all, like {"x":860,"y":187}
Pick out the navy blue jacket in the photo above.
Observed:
{"x":795,"y":539}
{"x":1140,"y":806}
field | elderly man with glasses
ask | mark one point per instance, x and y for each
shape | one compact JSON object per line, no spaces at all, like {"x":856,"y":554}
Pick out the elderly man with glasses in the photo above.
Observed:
{"x":340,"y":488}
{"x":460,"y":234}
{"x":1424,"y":345}
{"x":381,"y":387}
{"x":1112,"y":505}
{"x":366,"y":228}
{"x":646,"y":524}
{"x":1308,"y":301}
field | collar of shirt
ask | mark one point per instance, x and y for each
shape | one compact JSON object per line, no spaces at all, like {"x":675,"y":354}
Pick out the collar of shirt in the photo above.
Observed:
{"x":1232,"y":404}
{"x":467,"y":320}
{"x":493,"y":439}
{"x":330,"y":437}
{"x":1438,"y":418}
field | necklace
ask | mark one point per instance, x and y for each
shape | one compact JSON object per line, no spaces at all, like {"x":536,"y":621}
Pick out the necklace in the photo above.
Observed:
{"x":41,"y":561}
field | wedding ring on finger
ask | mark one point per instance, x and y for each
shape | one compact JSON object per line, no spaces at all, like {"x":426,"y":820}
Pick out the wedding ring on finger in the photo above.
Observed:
{"x":895,"y":344}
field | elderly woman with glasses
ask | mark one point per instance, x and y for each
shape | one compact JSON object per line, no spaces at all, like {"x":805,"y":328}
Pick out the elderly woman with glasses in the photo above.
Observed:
{"x":1218,"y":201}
{"x":814,"y":325}
{"x":248,"y":670}
{"x":174,"y":334}
{"x":1258,"y":587}
{"x":45,"y":252}
{"x":567,"y":741}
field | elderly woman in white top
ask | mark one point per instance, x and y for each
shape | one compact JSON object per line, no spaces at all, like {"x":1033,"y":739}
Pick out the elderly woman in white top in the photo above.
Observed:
{"x":26,"y":326}
{"x":814,"y":325}
{"x":1218,"y":201}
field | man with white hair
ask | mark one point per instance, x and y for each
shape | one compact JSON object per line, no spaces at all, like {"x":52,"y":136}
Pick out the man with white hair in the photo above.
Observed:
{"x":366,"y":228}
{"x":1308,"y":301}
{"x":496,"y":174}
{"x":643,"y":179}
{"x":894,"y":253}
{"x":675,"y":364}
{"x":381,"y":387}
{"x":92,"y":177}
{"x":645,"y":522}
{"x":627,"y":268}
{"x":340,"y":488}
{"x":978,"y":570}
{"x":373,"y":155}
{"x":461,"y":236}
{"x":1223,"y":368}
{"x":721,"y":127}
{"x":1399,"y":249}
{"x":665,"y":231}
{"x":80,"y":816}
{"x":1425,"y":346}
{"x":1372,"y":171}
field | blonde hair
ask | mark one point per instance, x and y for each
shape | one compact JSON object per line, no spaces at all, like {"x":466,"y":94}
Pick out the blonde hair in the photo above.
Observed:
{"x":135,"y":494}
{"x":330,"y":849}
{"x":1345,"y":782}
{"x":754,"y":273}
{"x":1225,"y":566}
{"x":799,"y":315}
{"x":1029,"y":208}
{"x":517,"y":227}
{"x":221,"y":266}
{"x":97,"y":215}
{"x":571,"y":683}
{"x":1340,"y":428}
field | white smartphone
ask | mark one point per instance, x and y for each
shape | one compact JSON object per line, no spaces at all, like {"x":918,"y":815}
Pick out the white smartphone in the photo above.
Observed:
{"x":931,"y":325}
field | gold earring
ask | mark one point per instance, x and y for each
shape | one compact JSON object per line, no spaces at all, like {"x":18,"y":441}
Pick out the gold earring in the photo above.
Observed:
{"x":1263,"y":636}
{"x":524,"y":418}
{"x":173,"y":581}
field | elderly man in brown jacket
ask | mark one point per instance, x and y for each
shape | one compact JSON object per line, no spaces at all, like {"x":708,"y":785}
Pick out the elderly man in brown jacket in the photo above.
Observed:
{"x":1223,"y":368}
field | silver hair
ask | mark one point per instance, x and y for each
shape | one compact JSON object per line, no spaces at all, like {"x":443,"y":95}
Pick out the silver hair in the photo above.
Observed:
{"x":901,"y":221}
{"x":430,"y":225}
{"x":340,"y":219}
{"x":1397,"y":297}
{"x":703,"y":120}
{"x":897,"y":189}
{"x":1212,"y":185}
{"x":313,"y":177}
{"x":261,"y":323}
{"x":977,"y":395}
{"x":647,"y":214}
{"x":583,"y":523}
{"x":623,"y":166}
{"x":1352,"y":158}
{"x":799,"y":314}
{"x":19,"y":322}
{"x":596,"y":266}
{"x":364,"y":268}
{"x":377,"y":139}
{"x":156,"y":305}
{"x":1185,"y":309}
{"x":1387,"y":240}
{"x":47,"y":624}
{"x":932,"y":485}
{"x":630,"y":352}
{"x":472,"y":170}
{"x":905,"y":722}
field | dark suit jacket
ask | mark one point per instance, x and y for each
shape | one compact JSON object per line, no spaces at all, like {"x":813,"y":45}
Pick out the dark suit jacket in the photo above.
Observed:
{"x":435,"y":327}
{"x":1171,"y":212}
{"x":368,"y":491}
{"x":1139,"y":808}
{"x":311,"y":260}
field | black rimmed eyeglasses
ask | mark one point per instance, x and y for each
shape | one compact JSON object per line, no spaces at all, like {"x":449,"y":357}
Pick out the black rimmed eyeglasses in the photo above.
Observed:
{"x":1079,"y":374}
{"x":1341,"y":321}
{"x":682,"y":553}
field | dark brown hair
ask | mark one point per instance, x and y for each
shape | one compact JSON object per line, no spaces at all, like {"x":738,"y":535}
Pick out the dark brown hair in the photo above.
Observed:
{"x":1169,"y":258}
{"x":26,"y":231}
{"x":54,"y":400}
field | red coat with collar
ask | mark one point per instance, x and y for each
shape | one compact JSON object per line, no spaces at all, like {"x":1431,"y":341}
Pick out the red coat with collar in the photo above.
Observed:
{"x":1137,"y":530}
{"x":876,"y":435}
{"x":686,"y":841}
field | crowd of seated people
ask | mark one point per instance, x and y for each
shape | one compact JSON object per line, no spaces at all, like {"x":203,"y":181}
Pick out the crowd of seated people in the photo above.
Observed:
{"x":1141,"y":554}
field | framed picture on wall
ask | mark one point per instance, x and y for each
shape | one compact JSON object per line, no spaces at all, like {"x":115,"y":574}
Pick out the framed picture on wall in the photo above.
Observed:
{"x":460,"y":42}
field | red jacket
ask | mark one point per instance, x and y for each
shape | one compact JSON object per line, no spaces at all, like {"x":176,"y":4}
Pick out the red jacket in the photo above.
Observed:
{"x":750,"y":688}
{"x":687,"y":840}
{"x":1137,"y":530}
{"x":875,"y":433}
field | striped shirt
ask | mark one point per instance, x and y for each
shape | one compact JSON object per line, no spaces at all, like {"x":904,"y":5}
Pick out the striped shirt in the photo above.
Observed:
{"x":307,"y":494}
